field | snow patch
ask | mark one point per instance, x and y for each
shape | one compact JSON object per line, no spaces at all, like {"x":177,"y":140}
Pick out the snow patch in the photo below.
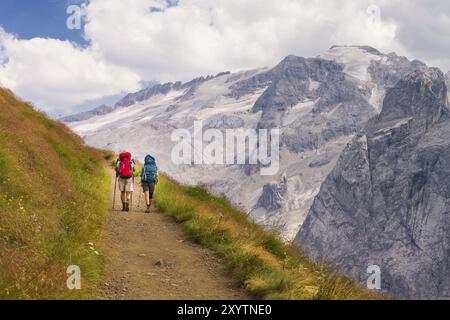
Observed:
{"x":356,"y":60}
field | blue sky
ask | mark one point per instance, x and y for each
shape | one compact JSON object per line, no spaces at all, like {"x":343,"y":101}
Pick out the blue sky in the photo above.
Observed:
{"x":38,"y":18}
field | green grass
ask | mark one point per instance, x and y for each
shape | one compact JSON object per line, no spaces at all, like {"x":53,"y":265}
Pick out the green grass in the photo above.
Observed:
{"x":258,"y":260}
{"x":54,"y":194}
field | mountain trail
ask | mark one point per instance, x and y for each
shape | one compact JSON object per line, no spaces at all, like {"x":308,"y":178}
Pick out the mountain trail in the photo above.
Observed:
{"x":149,"y":257}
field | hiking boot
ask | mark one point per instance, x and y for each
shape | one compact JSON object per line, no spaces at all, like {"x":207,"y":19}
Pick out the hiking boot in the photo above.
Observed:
{"x":148,"y":209}
{"x":127,"y":207}
{"x":124,"y":206}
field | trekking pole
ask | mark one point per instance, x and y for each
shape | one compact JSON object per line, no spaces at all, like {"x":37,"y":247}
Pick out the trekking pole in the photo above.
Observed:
{"x":131,"y":200}
{"x":139,"y":201}
{"x":140,"y":196}
{"x":114,"y":197}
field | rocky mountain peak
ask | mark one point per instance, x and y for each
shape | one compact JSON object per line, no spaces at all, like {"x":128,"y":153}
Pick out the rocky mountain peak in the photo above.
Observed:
{"x":291,"y":58}
{"x":367,"y":49}
{"x":421,"y":95}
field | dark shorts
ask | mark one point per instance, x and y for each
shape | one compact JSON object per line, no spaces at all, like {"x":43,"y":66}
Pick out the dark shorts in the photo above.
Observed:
{"x":148,"y":187}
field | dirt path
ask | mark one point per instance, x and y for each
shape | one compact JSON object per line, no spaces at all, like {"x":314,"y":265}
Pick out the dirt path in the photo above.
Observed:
{"x":149,"y":257}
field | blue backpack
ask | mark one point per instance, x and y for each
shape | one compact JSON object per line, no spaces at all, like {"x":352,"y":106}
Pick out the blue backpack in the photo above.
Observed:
{"x":149,"y":173}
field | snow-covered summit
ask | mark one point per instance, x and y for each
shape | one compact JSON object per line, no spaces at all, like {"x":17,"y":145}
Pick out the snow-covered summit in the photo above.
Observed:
{"x":357,"y":59}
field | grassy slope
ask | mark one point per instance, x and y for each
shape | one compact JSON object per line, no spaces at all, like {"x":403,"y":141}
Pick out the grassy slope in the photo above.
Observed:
{"x":53,"y":202}
{"x":258,"y":260}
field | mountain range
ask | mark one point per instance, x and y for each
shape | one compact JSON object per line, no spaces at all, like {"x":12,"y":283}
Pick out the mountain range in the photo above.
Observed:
{"x":318,"y":103}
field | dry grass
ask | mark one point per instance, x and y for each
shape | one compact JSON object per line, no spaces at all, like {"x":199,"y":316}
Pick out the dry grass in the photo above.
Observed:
{"x":257,"y":259}
{"x":53,"y":201}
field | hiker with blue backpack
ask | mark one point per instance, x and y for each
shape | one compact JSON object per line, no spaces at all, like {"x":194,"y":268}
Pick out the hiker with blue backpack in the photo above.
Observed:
{"x":149,"y":179}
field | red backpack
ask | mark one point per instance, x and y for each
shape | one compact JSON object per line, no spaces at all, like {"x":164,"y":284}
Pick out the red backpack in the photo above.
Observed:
{"x":125,"y":170}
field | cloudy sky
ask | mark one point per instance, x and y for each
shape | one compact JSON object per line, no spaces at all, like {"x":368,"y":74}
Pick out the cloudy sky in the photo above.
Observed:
{"x":123,"y":44}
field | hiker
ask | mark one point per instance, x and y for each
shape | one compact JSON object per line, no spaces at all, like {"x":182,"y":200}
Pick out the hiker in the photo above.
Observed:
{"x":125,"y":166}
{"x":149,"y":179}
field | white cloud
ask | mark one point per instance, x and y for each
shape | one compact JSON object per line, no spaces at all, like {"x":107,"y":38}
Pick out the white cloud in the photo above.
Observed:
{"x":56,"y":75}
{"x":149,"y":40}
{"x":198,"y":37}
{"x":422,"y":29}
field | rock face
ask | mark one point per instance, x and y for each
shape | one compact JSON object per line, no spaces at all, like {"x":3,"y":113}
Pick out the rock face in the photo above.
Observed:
{"x":390,"y":71}
{"x":295,"y":80}
{"x":99,"y":111}
{"x":387,"y":201}
{"x":447,"y":81}
{"x":272,"y":196}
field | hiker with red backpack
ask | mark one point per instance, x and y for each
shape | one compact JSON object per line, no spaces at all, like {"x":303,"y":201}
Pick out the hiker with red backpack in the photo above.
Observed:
{"x":125,"y":166}
{"x":149,"y":179}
